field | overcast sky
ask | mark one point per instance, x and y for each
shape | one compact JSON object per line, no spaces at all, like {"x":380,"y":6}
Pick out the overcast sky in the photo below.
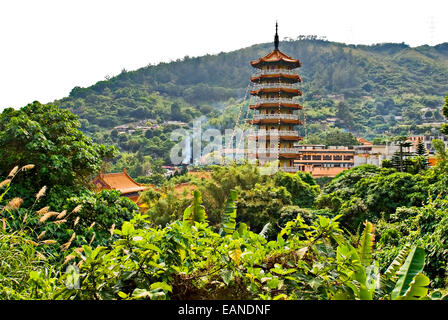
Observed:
{"x":49,"y":46}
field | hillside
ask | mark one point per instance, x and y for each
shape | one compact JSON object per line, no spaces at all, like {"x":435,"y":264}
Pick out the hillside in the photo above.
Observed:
{"x":368,"y":90}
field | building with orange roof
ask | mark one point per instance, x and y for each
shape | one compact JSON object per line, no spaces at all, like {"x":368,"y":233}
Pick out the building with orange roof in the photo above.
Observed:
{"x":364,"y":141}
{"x":119,"y":181}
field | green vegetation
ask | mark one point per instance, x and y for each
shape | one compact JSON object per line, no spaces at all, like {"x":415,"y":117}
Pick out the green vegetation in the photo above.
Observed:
{"x":231,"y":232}
{"x":49,"y":138}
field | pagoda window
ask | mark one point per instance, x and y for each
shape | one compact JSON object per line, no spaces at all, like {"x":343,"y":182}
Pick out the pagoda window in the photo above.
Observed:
{"x":317,"y":157}
{"x":337,"y":157}
{"x":327,"y":157}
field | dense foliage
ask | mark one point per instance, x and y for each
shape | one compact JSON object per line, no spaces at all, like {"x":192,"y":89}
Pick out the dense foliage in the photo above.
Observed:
{"x":65,"y":159}
{"x":230,"y":232}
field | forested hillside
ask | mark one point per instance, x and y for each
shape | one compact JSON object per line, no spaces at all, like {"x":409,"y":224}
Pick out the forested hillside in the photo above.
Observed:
{"x":367,"y":90}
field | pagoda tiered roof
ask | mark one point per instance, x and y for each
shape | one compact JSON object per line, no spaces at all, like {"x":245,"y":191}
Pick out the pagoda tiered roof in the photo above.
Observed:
{"x":289,"y":91}
{"x":271,"y":103}
{"x":284,"y":75}
{"x":276,"y":57}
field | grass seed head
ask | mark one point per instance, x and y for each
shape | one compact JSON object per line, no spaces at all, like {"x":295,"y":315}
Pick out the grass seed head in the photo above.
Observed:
{"x":40,"y":255}
{"x":14,"y":204}
{"x":49,"y":241}
{"x":44,"y":210}
{"x":48,"y":215}
{"x":5,"y":183}
{"x":27,"y":167}
{"x":41,"y":235}
{"x":62,"y":214}
{"x":77,"y":208}
{"x":41,"y":192}
{"x":91,"y":240}
{"x":66,"y":245}
{"x":13,"y":172}
{"x":69,"y":258}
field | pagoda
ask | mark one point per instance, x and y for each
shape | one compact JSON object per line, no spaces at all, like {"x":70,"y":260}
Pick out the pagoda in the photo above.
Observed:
{"x":276,"y":88}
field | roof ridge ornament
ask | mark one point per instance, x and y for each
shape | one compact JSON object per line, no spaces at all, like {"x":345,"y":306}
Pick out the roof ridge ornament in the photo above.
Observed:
{"x":276,"y":36}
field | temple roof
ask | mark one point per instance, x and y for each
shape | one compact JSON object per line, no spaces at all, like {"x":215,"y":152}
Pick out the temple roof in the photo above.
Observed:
{"x":118,"y":181}
{"x":276,"y":56}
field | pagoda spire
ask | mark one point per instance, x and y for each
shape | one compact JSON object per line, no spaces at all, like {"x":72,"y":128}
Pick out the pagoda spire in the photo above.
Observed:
{"x":276,"y":36}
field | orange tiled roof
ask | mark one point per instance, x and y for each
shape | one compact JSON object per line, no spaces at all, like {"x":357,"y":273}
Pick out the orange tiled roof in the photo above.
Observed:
{"x":364,"y":141}
{"x":118,"y":181}
{"x":276,"y":56}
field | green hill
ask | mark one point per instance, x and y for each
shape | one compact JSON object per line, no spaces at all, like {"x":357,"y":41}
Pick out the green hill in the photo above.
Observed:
{"x":367,"y":90}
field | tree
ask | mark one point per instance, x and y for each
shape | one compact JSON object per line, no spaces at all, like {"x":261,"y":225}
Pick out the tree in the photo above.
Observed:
{"x":49,"y":138}
{"x":444,"y":129}
{"x":441,"y":155}
{"x":302,"y":193}
{"x":261,"y":205}
{"x":428,"y":226}
{"x":368,"y":192}
{"x":114,"y":134}
{"x":176,"y":113}
{"x":333,"y":137}
{"x":344,"y":115}
{"x":421,"y":158}
{"x":400,"y":159}
{"x":421,"y":150}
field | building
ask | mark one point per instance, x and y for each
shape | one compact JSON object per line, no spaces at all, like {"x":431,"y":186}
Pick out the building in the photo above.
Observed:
{"x":427,"y":141}
{"x":119,"y":181}
{"x":320,"y":161}
{"x":373,"y":154}
{"x":364,"y":141}
{"x":276,"y":88}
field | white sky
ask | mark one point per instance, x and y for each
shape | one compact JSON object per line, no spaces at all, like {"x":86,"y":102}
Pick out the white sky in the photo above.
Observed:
{"x":49,"y":46}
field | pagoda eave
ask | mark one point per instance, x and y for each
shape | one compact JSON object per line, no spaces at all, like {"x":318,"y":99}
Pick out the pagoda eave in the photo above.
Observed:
{"x":294,"y":106}
{"x":283,"y":63}
{"x":276,"y":76}
{"x":276,"y":121}
{"x":292,"y":92}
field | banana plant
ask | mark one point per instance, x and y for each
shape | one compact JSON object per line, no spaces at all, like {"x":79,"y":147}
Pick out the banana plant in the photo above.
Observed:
{"x":196,"y":211}
{"x":228,"y":220}
{"x":412,"y":284}
{"x":403,"y":279}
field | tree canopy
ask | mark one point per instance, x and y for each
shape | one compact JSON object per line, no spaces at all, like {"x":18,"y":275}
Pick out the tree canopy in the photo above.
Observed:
{"x":49,"y":138}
